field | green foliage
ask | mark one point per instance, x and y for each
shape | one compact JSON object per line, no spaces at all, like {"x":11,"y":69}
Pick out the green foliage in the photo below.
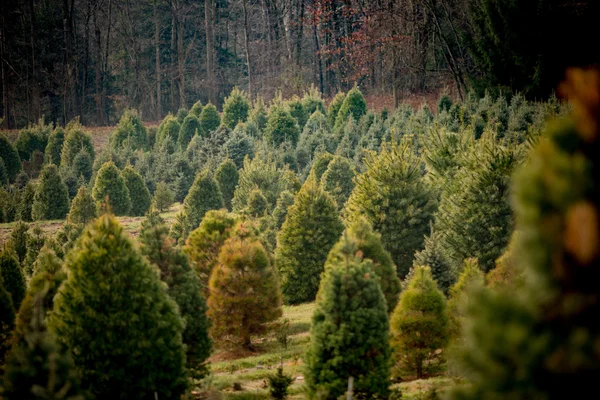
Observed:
{"x":111,"y":286}
{"x":204,"y":195}
{"x":82,"y":166}
{"x":238,"y":146}
{"x":257,"y":204}
{"x":196,"y":109}
{"x":296,"y":109}
{"x":11,"y":158}
{"x":227,"y":176}
{"x":471,"y":278}
{"x":168,"y":129}
{"x":163,"y":197}
{"x":138,"y":192}
{"x":209,"y":119}
{"x":311,"y":228}
{"x":279,"y":384}
{"x":359,"y":241}
{"x":184,"y":287}
{"x":235,"y":108}
{"x":281,"y":127}
{"x":434,"y":257}
{"x":53,"y":151}
{"x":111,"y":187}
{"x":18,"y":240}
{"x":243,"y":268}
{"x":83,"y":207}
{"x":75,"y":141}
{"x":184,"y":178}
{"x":392,"y":196}
{"x":33,"y":139}
{"x":334,"y":108}
{"x":286,"y":199}
{"x":51,"y":200}
{"x":444,"y":104}
{"x":321,"y":164}
{"x":3,"y":174}
{"x":12,"y":277}
{"x":130,"y":133}
{"x":349,"y":332}
{"x":7,"y":320}
{"x":354,"y":105}
{"x":189,"y":128}
{"x":338,"y":180}
{"x":312,"y":102}
{"x":258,"y":115}
{"x":26,"y":205}
{"x":35,"y":242}
{"x":419,"y":324}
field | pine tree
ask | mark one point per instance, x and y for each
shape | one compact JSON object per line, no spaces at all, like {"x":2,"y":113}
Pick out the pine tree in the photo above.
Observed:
{"x":285,"y":200}
{"x":310,"y":230}
{"x":354,"y":106}
{"x":51,"y":200}
{"x":7,"y":321}
{"x":227,"y":177}
{"x":11,"y":158}
{"x":538,"y":341}
{"x":184,"y":288}
{"x":394,"y":199}
{"x":12,"y":276}
{"x":359,"y":241}
{"x":18,"y":240}
{"x":434,"y":256}
{"x":138,"y":192}
{"x":75,"y":141}
{"x":313,"y":101}
{"x":257,"y":204}
{"x":279,"y":384}
{"x":238,"y":146}
{"x":35,"y":242}
{"x":281,"y":127}
{"x":349,"y":332}
{"x":235,"y":108}
{"x":117,"y":320}
{"x":168,"y":130}
{"x":3,"y":174}
{"x":110,"y":186}
{"x":26,"y":205}
{"x":82,"y":166}
{"x":196,"y":109}
{"x":244,"y":267}
{"x":321,"y":164}
{"x":53,"y":151}
{"x":419,"y":323}
{"x":83,"y":207}
{"x":296,"y":109}
{"x":204,"y":195}
{"x":471,"y":278}
{"x":163,"y":197}
{"x":189,"y":128}
{"x":334,"y":108}
{"x":337,"y":180}
{"x":184,"y":178}
{"x":204,"y":243}
{"x":209,"y":120}
{"x":181,"y":114}
{"x":130,"y":132}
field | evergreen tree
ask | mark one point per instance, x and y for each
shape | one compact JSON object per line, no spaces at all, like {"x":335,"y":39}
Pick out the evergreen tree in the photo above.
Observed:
{"x":26,"y":205}
{"x":321,"y":164}
{"x":334,"y":108}
{"x":196,"y":109}
{"x":10,"y":156}
{"x":163,"y":197}
{"x":444,"y":104}
{"x":310,"y":230}
{"x":75,"y":141}
{"x":53,"y":151}
{"x":18,"y":239}
{"x":258,"y":115}
{"x":349,"y":332}
{"x":184,"y":178}
{"x":189,"y":128}
{"x":394,"y":199}
{"x":181,"y":114}
{"x":35,"y":242}
{"x":3,"y":174}
{"x":257,"y":204}
{"x":130,"y":132}
{"x":313,"y":101}
{"x":338,"y":180}
{"x":110,"y":186}
{"x":204,"y":195}
{"x":51,"y":200}
{"x":296,"y":109}
{"x":538,"y":341}
{"x":359,"y":241}
{"x":227,"y":177}
{"x":138,"y":192}
{"x":168,"y":130}
{"x":82,"y":166}
{"x":117,"y":320}
{"x":279,"y":384}
{"x":281,"y":127}
{"x":12,"y":276}
{"x":285,"y":200}
{"x":243,"y":268}
{"x":238,"y":146}
{"x":354,"y":106}
{"x":435,"y":258}
{"x":83,"y":207}
{"x":184,"y":288}
{"x":471,"y":278}
{"x":419,"y":323}
{"x":235,"y":108}
{"x":7,"y":321}
{"x":33,"y":139}
{"x":204,"y":243}
{"x":209,"y":120}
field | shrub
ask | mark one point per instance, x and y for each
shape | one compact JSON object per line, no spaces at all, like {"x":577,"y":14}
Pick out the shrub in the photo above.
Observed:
{"x":83,"y":207}
{"x":163,"y":198}
{"x":444,"y":104}
{"x":189,"y":128}
{"x":227,"y":177}
{"x":10,"y":156}
{"x":209,"y":119}
{"x":53,"y":151}
{"x":279,"y":384}
{"x":111,"y":187}
{"x":235,"y":108}
{"x":138,"y":192}
{"x":354,"y":105}
{"x":111,"y":286}
{"x":204,"y":195}
{"x":281,"y":127}
{"x":33,"y":139}
{"x":51,"y":200}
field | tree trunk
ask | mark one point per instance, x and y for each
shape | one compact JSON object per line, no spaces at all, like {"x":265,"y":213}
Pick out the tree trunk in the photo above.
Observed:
{"x":158,"y":111}
{"x":210,"y":49}
{"x":246,"y":44}
{"x":5,"y":108}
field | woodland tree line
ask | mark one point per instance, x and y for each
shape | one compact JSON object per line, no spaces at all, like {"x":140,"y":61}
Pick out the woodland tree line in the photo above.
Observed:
{"x":95,"y":58}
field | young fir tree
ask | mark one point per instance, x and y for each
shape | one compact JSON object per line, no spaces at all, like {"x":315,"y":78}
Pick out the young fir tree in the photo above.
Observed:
{"x":196,"y":109}
{"x":471,"y":278}
{"x":285,"y":200}
{"x":168,"y":130}
{"x":36,"y":239}
{"x":12,"y":277}
{"x":209,"y":120}
{"x":334,"y":108}
{"x":281,"y":127}
{"x":204,"y":195}
{"x":434,"y":256}
{"x":321,"y":164}
{"x":238,"y":146}
{"x":235,"y":108}
{"x":3,"y":174}
{"x":75,"y":141}
{"x":26,"y":205}
{"x":227,"y":177}
{"x":37,"y":368}
{"x":51,"y":200}
{"x":110,"y":186}
{"x":395,"y":200}
{"x":18,"y":240}
{"x":311,"y":228}
{"x":338,"y":180}
{"x":189,"y":128}
{"x":82,"y":166}
{"x":257,"y":204}
{"x":354,"y":106}
{"x":349,"y":331}
{"x":204,"y":243}
{"x":117,"y":320}
{"x":279,"y":384}
{"x":130,"y":132}
{"x":540,"y":341}
{"x":53,"y":149}
{"x":138,"y":192}
{"x":296,"y":109}
{"x":184,"y":288}
{"x":362,"y":243}
{"x":163,"y":197}
{"x":7,"y":321}
{"x":10,"y":156}
{"x":244,"y":267}
{"x":181,"y":114}
{"x":83,"y":207}
{"x":419,"y":323}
